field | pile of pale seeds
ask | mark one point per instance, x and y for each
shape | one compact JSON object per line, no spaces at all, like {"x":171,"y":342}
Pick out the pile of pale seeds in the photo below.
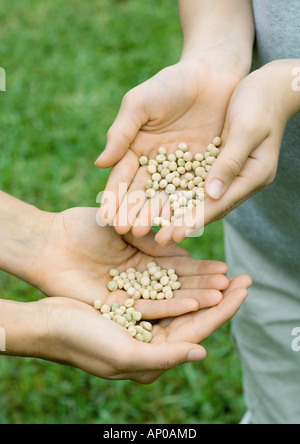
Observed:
{"x":182,"y":175}
{"x":155,"y":283}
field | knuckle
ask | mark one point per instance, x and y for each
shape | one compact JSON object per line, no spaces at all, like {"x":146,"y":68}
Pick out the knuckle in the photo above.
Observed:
{"x":232,"y":166}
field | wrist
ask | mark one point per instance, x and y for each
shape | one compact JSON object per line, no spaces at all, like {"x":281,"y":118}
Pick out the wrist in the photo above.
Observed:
{"x":220,"y":58}
{"x":24,"y":327}
{"x":23,"y":232}
{"x":282,"y":74}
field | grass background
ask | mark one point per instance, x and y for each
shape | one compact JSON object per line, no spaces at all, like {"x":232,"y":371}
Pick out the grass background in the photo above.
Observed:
{"x":68,"y":64}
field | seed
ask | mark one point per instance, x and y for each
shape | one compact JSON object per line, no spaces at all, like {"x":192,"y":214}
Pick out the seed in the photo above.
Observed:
{"x":97,"y":304}
{"x":199,"y":171}
{"x":150,"y":193}
{"x":214,"y":151}
{"x":146,"y":294}
{"x":163,"y":184}
{"x":129,"y":303}
{"x":165,"y":172}
{"x":189,"y":176}
{"x":147,"y":337}
{"x":140,"y":337}
{"x":210,"y":160}
{"x":162,"y":150}
{"x":160,"y":296}
{"x":112,"y":286}
{"x":169,"y":295}
{"x":198,"y":180}
{"x":176,"y":182}
{"x":153,"y":294}
{"x":183,"y":147}
{"x":165,"y":223}
{"x":207,"y":168}
{"x":155,"y":186}
{"x":175,"y":285}
{"x":105,"y":308}
{"x":114,"y":307}
{"x":170,"y":189}
{"x":217,"y":141}
{"x":136,"y":316}
{"x":114,"y":272}
{"x":173,"y":166}
{"x":181,"y":162}
{"x":188,"y":157}
{"x":184,"y":184}
{"x":160,"y":158}
{"x":146,"y":325}
{"x":196,"y":165}
{"x":188,"y":166}
{"x":143,"y":160}
{"x":170,"y":177}
{"x":152,"y":169}
{"x":149,"y":184}
{"x":156,"y":177}
{"x":181,"y":170}
{"x":145,"y":281}
{"x":164,"y":280}
{"x":172,"y":158}
{"x":121,"y":321}
{"x":179,"y":154}
{"x":199,"y":157}
{"x":132,"y":331}
{"x":131,"y":291}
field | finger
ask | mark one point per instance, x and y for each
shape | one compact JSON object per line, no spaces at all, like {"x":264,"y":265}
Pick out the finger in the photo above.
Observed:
{"x":241,"y":189}
{"x":130,"y":119}
{"x":205,"y":298}
{"x":133,"y":202}
{"x":164,"y":356}
{"x":192,"y":267}
{"x":147,"y":215}
{"x":216,"y":282}
{"x":117,"y":186}
{"x":156,"y":309}
{"x":149,"y":246}
{"x":201,"y":325}
{"x":240,"y":143}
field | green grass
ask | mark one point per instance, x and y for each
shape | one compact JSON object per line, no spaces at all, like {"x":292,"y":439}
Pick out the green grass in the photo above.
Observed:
{"x":68,"y":64}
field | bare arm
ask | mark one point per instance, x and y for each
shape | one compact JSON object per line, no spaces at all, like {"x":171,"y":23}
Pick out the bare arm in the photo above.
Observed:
{"x":221,"y":31}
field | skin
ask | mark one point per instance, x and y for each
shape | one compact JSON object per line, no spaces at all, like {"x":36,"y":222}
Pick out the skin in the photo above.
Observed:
{"x":68,"y":257}
{"x":186,"y":102}
{"x":73,"y":333}
{"x":249,"y":158}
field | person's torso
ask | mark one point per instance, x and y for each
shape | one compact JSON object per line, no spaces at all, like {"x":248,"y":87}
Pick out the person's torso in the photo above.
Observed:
{"x":271,"y":219}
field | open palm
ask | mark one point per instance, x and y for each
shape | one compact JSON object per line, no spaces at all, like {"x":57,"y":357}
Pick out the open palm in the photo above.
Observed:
{"x":78,"y":255}
{"x":186,"y":102}
{"x":79,"y":336}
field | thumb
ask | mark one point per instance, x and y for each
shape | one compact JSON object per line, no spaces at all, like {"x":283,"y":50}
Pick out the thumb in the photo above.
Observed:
{"x":167,"y":355}
{"x":130,"y":119}
{"x":149,"y":246}
{"x":240,"y":143}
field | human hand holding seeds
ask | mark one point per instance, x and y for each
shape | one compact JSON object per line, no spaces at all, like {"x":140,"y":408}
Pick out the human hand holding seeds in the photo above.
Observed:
{"x":190,"y":109}
{"x":77,"y":256}
{"x":77,"y":335}
{"x":258,"y":113}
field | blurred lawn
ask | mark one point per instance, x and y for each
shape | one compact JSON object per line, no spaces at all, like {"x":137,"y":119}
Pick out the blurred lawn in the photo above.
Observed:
{"x":68,"y":65}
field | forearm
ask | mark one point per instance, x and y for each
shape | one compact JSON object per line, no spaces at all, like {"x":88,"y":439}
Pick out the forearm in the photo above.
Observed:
{"x":22,"y":328}
{"x":221,"y":31}
{"x":22,"y":232}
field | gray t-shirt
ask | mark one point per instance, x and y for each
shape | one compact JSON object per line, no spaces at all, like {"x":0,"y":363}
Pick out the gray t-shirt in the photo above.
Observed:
{"x":271,"y":219}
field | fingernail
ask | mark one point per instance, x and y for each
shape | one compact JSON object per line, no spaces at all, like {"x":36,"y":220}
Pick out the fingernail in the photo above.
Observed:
{"x":215,"y":189}
{"x":195,"y":355}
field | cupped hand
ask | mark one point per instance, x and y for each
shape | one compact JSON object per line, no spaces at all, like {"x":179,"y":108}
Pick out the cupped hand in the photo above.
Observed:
{"x":77,"y":335}
{"x":78,"y":254}
{"x":186,"y":102}
{"x":257,"y":115}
